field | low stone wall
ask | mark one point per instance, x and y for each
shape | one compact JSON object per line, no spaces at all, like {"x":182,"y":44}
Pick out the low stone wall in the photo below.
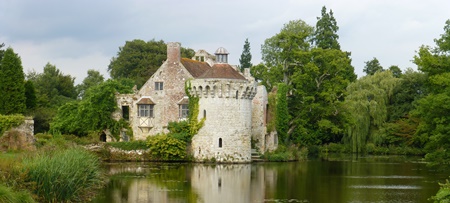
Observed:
{"x":20,"y":137}
{"x":108,"y":153}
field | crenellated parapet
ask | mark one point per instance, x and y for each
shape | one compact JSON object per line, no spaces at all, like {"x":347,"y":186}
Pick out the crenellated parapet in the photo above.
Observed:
{"x":223,"y":88}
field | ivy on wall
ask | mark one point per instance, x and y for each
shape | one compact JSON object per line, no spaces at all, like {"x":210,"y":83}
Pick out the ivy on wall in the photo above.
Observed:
{"x":194,"y":109}
{"x":9,"y":121}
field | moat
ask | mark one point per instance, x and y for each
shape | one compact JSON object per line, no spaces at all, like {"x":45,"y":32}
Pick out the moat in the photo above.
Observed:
{"x":337,"y":179}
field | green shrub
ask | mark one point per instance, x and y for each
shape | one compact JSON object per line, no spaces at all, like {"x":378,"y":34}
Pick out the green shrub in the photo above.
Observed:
{"x":165,"y":147}
{"x":443,"y":195}
{"x":131,"y":145}
{"x":292,"y":153}
{"x":9,"y":121}
{"x":63,"y":175}
{"x":7,"y":195}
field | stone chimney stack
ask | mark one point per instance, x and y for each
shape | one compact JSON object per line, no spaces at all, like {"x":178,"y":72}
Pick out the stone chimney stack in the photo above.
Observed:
{"x":173,"y":52}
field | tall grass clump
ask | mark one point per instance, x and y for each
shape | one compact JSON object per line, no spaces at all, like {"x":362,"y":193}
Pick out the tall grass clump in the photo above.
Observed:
{"x":65,"y":175}
{"x":7,"y":195}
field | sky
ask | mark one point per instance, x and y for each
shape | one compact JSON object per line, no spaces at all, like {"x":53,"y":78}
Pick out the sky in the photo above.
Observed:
{"x":76,"y":36}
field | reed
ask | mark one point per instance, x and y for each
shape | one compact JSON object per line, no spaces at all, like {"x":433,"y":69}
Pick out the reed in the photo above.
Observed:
{"x":7,"y":195}
{"x":64,"y":175}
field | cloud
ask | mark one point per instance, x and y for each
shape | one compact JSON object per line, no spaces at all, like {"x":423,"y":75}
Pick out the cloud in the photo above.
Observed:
{"x":78,"y":35}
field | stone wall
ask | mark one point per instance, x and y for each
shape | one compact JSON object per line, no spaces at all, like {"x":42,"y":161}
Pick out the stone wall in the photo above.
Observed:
{"x":20,"y":137}
{"x":259,"y":127}
{"x":226,"y":134}
{"x":166,"y":109}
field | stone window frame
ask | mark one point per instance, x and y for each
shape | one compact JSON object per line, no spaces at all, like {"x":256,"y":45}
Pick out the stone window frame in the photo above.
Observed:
{"x":159,"y":86}
{"x":183,"y":111}
{"x":146,"y":110}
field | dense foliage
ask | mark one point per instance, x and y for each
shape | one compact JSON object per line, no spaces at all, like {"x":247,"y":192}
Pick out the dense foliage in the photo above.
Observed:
{"x":433,"y":109}
{"x":52,"y":89}
{"x":9,"y":121}
{"x":94,"y":112}
{"x":12,"y":84}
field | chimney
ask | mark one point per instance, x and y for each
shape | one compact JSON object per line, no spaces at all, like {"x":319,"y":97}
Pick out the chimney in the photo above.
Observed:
{"x":173,"y":52}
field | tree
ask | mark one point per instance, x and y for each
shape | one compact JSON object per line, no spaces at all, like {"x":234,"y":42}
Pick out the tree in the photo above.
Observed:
{"x":325,"y":34}
{"x":12,"y":84}
{"x":1,"y":50}
{"x":93,"y":78}
{"x":433,"y":109}
{"x":246,"y":56}
{"x":30,"y":95}
{"x":93,"y":112}
{"x":53,"y":89}
{"x":277,"y":51}
{"x":138,"y":60}
{"x":317,"y":91}
{"x":372,"y":66}
{"x":396,"y":71}
{"x":366,"y":106}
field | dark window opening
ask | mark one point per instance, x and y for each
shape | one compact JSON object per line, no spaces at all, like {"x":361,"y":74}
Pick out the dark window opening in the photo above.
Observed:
{"x":204,"y":113}
{"x":220,"y":142}
{"x":126,"y":112}
{"x":103,"y":137}
{"x":237,"y":94}
{"x":159,"y":86}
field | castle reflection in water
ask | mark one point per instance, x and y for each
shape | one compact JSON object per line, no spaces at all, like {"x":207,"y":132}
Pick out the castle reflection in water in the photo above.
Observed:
{"x":142,"y":182}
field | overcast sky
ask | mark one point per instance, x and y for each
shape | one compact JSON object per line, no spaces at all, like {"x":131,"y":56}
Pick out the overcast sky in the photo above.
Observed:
{"x":84,"y":34}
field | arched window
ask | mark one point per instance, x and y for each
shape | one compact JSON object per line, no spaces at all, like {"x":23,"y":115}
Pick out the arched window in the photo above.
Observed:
{"x":237,"y":94}
{"x":220,"y":142}
{"x":204,"y":113}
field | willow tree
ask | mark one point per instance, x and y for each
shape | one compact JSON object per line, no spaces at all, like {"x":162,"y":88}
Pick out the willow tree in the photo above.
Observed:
{"x":366,"y":105}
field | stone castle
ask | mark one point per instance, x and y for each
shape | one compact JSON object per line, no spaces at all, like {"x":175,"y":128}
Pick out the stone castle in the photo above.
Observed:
{"x":232,"y":103}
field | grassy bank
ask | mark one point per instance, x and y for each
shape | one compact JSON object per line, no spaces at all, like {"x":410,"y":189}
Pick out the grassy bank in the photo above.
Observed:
{"x":49,"y":174}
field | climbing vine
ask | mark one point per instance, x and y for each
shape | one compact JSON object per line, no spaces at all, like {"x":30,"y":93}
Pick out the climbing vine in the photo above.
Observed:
{"x":9,"y":121}
{"x":282,"y":113}
{"x":194,"y":109}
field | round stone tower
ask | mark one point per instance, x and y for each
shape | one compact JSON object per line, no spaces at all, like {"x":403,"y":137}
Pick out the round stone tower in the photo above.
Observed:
{"x":225,"y":100}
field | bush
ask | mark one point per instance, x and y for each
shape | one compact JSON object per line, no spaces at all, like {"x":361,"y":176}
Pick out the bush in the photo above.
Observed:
{"x":293,"y":153}
{"x":443,"y":195}
{"x":64,"y":175}
{"x":165,"y":147}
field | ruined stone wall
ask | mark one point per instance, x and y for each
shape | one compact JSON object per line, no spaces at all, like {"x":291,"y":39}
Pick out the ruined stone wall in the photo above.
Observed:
{"x":259,"y":128}
{"x":20,"y":137}
{"x":228,"y":118}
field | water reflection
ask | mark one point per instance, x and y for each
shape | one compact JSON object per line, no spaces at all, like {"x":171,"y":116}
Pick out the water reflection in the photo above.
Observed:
{"x":312,"y":181}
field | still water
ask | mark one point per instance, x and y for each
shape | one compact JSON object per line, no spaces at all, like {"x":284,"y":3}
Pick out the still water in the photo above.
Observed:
{"x":342,"y":179}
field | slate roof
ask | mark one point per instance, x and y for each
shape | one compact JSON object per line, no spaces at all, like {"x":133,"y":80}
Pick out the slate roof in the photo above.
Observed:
{"x":222,"y":70}
{"x":195,"y":68}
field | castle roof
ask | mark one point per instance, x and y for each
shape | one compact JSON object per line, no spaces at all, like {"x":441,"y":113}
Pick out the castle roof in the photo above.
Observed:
{"x":195,"y":68}
{"x":223,"y":71}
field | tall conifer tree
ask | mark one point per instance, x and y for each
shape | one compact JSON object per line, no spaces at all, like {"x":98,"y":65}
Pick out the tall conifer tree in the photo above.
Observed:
{"x":12,"y":84}
{"x":246,"y":56}
{"x":325,"y":35}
